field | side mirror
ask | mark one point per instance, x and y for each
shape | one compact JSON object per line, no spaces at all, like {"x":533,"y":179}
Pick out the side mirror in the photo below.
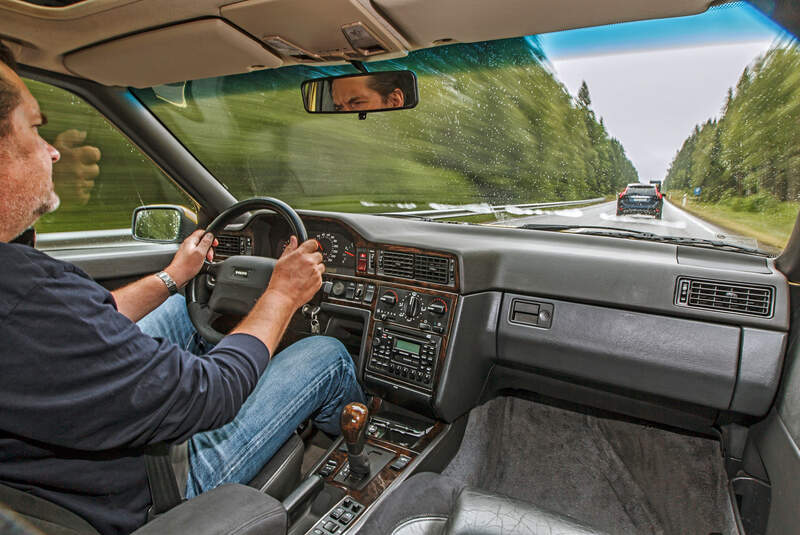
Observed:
{"x":163,"y":223}
{"x":361,"y":93}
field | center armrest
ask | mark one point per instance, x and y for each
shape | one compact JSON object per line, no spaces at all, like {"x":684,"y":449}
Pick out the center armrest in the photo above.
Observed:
{"x":227,"y":509}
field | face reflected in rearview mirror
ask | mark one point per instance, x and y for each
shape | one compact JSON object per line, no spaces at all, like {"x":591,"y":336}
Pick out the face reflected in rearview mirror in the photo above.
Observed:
{"x":359,"y":93}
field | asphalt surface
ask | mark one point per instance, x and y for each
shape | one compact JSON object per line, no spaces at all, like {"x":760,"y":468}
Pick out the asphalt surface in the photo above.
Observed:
{"x":674,"y":221}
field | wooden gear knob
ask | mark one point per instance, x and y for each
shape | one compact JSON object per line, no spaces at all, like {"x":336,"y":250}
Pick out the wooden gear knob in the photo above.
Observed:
{"x":354,"y":426}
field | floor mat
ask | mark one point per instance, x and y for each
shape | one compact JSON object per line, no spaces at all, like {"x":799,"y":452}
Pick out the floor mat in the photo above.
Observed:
{"x":618,"y":476}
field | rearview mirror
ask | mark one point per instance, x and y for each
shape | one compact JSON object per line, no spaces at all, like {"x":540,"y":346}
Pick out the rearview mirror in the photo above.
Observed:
{"x":360,"y":93}
{"x":163,"y":223}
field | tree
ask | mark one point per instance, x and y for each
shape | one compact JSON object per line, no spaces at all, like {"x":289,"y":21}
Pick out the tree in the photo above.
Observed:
{"x":583,"y":95}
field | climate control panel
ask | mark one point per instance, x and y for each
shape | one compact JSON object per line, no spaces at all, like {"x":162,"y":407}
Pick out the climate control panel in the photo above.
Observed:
{"x":414,"y":309}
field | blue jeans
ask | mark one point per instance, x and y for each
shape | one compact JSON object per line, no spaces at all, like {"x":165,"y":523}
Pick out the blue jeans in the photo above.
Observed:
{"x":314,"y":377}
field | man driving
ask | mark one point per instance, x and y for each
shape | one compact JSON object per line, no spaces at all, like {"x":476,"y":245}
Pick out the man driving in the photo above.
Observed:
{"x":376,"y":91}
{"x":84,"y":388}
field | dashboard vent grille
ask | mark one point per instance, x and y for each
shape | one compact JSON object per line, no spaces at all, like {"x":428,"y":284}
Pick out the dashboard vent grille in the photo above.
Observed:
{"x":228,"y":245}
{"x":725,"y":296}
{"x":398,"y":264}
{"x":431,"y":268}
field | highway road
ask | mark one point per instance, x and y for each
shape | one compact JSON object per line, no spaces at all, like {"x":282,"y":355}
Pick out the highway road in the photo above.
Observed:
{"x":674,"y":221}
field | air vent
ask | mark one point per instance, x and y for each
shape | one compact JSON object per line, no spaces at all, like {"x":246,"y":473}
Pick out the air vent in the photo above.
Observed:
{"x":398,"y":264}
{"x":229,"y":245}
{"x":724,"y":296}
{"x":431,"y":268}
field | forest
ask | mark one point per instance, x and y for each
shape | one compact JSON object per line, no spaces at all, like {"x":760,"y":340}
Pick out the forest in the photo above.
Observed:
{"x":750,"y":155}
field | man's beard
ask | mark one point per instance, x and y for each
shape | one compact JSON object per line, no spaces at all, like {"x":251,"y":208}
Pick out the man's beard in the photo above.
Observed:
{"x":51,"y":205}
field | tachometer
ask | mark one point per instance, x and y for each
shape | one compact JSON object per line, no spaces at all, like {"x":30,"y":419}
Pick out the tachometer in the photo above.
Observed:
{"x":329,"y":246}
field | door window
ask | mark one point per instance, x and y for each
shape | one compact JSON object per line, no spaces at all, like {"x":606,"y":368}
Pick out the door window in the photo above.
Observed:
{"x":101,"y":177}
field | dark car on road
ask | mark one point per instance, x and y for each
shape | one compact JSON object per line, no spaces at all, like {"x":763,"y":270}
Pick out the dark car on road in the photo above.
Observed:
{"x":640,"y":199}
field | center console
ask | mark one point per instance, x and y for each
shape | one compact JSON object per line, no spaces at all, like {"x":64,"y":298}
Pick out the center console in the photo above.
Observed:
{"x":406,"y":298}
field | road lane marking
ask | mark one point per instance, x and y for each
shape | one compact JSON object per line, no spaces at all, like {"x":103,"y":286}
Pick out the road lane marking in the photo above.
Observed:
{"x":696,"y":220}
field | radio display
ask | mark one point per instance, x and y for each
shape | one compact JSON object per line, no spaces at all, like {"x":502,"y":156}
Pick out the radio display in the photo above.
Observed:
{"x":407,"y":346}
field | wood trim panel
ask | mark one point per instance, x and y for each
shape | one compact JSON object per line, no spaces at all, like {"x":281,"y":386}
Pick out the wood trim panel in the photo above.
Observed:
{"x":370,"y":493}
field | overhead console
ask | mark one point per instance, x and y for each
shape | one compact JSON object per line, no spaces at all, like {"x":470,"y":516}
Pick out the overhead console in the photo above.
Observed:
{"x":308,"y":31}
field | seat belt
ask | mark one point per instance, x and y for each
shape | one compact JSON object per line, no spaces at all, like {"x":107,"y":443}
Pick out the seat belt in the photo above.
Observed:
{"x":161,"y":479}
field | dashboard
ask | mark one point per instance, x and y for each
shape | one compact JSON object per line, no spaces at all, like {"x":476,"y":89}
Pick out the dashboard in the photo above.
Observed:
{"x":439,"y":317}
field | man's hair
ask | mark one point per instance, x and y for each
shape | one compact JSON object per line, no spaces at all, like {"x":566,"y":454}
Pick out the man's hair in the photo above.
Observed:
{"x":389,"y":81}
{"x":9,"y":95}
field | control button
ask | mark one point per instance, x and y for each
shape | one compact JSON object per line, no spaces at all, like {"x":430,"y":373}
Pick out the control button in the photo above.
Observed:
{"x":389,"y":298}
{"x":336,"y":513}
{"x":413,"y":306}
{"x":425,"y":326}
{"x":436,"y":307}
{"x":331,"y":527}
{"x":346,"y":518}
{"x":359,"y":291}
{"x":317,"y":531}
{"x":327,"y":286}
{"x":362,"y":261}
{"x":356,"y":508}
{"x":401,"y":462}
{"x":369,"y":293}
{"x":348,"y":503}
{"x":351,"y":290}
{"x":376,"y":342}
{"x":338,"y":288}
{"x":438,"y":329}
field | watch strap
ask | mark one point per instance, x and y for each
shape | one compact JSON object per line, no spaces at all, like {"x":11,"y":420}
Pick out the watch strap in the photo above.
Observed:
{"x":168,"y":282}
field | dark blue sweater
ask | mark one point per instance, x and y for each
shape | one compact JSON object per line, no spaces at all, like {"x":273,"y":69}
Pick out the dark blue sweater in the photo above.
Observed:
{"x":83,"y":390}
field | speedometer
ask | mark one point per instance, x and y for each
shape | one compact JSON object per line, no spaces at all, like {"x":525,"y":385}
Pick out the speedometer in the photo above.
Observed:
{"x":329,"y":246}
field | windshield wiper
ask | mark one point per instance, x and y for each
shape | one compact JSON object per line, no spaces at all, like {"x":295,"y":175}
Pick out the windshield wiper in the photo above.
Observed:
{"x":614,"y":232}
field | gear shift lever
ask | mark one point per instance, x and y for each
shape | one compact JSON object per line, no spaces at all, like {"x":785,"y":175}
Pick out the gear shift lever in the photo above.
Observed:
{"x":354,"y":429}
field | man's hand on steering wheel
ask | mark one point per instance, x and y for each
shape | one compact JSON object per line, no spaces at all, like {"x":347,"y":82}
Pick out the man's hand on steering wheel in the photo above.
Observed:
{"x":298,"y":272}
{"x":190,"y":256}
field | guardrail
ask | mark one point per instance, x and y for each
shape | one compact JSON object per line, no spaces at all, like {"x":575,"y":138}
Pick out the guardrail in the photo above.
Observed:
{"x":476,"y":209}
{"x":122,"y":237}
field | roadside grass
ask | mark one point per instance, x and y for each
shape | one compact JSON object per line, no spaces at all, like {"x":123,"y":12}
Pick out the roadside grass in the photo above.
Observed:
{"x":757,"y":216}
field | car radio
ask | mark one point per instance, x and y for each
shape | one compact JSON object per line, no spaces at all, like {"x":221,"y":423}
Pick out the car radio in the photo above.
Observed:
{"x":404,"y":354}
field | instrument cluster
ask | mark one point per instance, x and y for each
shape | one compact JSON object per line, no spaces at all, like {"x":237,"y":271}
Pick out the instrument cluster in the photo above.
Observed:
{"x":335,"y":242}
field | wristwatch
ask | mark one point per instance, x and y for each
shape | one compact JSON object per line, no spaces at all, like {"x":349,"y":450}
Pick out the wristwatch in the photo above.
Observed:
{"x":170,"y":284}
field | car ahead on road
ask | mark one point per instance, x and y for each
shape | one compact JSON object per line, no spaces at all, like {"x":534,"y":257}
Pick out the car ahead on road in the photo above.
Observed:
{"x":640,"y":199}
{"x":636,"y":382}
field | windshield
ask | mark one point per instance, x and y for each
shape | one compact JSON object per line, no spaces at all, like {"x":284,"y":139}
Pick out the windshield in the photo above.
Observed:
{"x":546,"y":129}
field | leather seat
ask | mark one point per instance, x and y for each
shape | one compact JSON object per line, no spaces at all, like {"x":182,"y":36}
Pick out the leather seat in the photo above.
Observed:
{"x":431,"y":504}
{"x":274,"y":482}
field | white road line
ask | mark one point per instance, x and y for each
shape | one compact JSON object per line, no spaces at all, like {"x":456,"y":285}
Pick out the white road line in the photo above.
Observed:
{"x":696,"y":220}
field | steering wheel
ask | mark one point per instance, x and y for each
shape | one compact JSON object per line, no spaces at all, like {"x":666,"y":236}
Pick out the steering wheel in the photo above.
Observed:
{"x":238,"y":280}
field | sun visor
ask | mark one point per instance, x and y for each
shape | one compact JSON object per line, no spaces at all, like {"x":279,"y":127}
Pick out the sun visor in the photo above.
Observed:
{"x":187,"y":51}
{"x":427,"y":23}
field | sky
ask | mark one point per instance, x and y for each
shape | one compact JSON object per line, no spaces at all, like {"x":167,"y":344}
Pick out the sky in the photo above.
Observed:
{"x":653,"y":81}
